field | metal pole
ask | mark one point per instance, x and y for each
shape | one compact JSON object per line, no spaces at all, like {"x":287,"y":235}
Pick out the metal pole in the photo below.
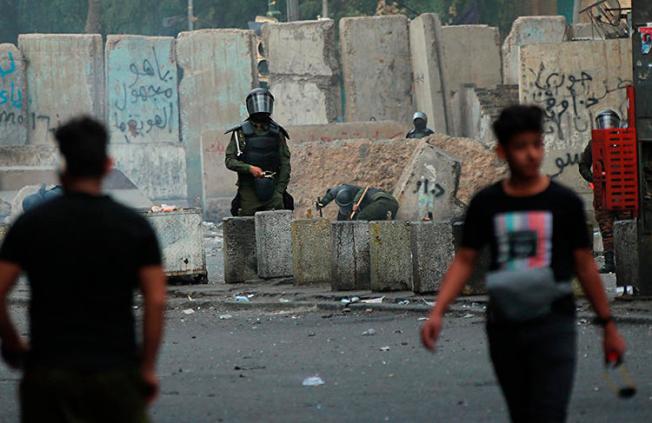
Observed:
{"x":191,"y":16}
{"x":641,"y":16}
{"x":324,"y":9}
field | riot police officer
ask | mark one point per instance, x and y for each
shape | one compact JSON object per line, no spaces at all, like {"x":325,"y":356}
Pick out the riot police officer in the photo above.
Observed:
{"x":420,"y":129}
{"x":259,"y":153}
{"x":355,"y":203}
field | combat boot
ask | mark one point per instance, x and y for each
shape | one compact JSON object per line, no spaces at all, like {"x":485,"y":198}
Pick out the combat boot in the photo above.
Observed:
{"x":609,"y":263}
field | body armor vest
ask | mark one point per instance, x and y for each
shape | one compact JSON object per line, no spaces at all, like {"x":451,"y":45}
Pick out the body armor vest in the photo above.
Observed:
{"x":262,"y":149}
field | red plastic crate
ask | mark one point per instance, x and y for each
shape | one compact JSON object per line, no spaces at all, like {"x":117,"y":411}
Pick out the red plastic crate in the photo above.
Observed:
{"x":615,"y":168}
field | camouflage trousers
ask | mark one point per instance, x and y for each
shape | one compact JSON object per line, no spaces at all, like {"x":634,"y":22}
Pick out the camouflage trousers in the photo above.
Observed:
{"x":606,"y":219}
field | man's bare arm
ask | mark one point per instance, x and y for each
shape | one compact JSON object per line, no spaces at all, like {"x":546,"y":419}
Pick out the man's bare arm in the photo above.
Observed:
{"x":458,"y":274}
{"x":589,"y":277}
{"x":153,"y":286}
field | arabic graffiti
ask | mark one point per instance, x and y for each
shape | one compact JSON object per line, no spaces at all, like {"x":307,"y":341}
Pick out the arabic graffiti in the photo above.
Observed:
{"x":144,"y":99}
{"x":427,"y":192}
{"x":563,"y":162}
{"x":11,"y":92}
{"x":571,"y":100}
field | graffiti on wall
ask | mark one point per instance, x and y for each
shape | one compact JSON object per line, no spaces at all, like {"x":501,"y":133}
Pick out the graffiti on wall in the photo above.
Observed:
{"x":143,"y":97}
{"x":12,"y":111}
{"x":572,"y":100}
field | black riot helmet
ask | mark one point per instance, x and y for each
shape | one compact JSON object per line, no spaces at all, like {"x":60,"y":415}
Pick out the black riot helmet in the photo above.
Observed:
{"x":345,"y":196}
{"x":420,"y":120}
{"x":260,"y":101}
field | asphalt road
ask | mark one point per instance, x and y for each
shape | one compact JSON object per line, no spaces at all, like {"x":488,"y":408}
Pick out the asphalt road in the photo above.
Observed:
{"x":250,"y":367}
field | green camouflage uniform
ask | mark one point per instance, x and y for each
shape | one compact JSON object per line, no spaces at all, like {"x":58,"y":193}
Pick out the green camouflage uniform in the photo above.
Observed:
{"x":375,"y":205}
{"x":249,"y":202}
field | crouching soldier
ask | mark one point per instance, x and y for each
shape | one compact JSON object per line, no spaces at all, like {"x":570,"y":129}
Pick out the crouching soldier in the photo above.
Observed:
{"x":259,"y":153}
{"x":356,"y":203}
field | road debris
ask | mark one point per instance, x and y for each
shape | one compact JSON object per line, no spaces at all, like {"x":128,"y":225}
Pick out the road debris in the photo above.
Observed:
{"x":404,"y":302}
{"x":188,"y":311}
{"x":242,"y":299}
{"x":369,"y":332}
{"x":385,"y":349}
{"x":373,"y":300}
{"x":347,"y":301}
{"x":313,"y":381}
{"x":226,"y":317}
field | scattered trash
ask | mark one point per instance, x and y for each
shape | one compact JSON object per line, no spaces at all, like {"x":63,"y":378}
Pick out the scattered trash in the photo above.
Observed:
{"x":422,"y":319}
{"x":369,"y":332}
{"x":347,"y":301}
{"x":398,"y":331}
{"x":241,"y":299}
{"x":226,"y":317}
{"x":404,"y":302}
{"x":163,"y":208}
{"x":283,"y":300}
{"x":369,"y":310}
{"x":190,"y":298}
{"x":327,"y":316}
{"x":188,"y":311}
{"x":313,"y":381}
{"x":384,"y":349}
{"x":373,"y":300}
{"x":311,"y":334}
{"x":469,"y":316}
{"x":428,"y":303}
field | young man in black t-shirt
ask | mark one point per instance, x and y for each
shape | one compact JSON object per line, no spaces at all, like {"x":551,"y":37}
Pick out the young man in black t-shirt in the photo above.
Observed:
{"x":536,"y":230}
{"x":84,"y":255}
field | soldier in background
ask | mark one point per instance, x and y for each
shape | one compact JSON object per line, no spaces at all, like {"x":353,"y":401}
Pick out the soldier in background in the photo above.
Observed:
{"x":606,"y":218}
{"x":355,"y":203}
{"x":420,"y":129}
{"x":259,"y":153}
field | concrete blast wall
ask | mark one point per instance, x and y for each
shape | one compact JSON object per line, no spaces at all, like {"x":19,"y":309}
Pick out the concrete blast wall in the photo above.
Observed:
{"x":528,"y":30}
{"x":471,"y":56}
{"x":376,"y":63}
{"x":218,"y":72}
{"x":13,"y":101}
{"x":142,"y":95}
{"x":65,"y":78}
{"x":574,"y":82}
{"x":430,"y":87}
{"x":304,"y":71}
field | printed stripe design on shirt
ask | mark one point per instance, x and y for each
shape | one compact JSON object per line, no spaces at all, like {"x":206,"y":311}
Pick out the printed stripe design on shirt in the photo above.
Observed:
{"x":524,"y":239}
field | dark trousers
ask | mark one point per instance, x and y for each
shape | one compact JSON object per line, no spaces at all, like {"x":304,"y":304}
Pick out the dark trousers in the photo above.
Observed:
{"x":535,"y":366}
{"x":68,"y":396}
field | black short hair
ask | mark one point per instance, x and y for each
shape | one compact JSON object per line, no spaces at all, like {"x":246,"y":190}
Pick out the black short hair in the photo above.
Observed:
{"x":83,"y":143}
{"x":515,"y":120}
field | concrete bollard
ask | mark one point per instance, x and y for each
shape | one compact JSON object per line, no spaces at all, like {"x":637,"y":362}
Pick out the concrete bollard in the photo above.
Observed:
{"x":390,"y":256}
{"x":432,"y":253}
{"x":311,"y":251}
{"x":274,"y":243}
{"x":239,"y":249}
{"x":626,"y":251}
{"x":350,"y":256}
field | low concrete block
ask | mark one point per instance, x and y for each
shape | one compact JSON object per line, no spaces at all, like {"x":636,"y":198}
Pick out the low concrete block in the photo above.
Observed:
{"x":390,"y":256}
{"x":311,"y":251}
{"x":274,"y":243}
{"x":432,"y":252}
{"x":476,"y":284}
{"x":626,"y":250}
{"x":239,"y":249}
{"x":350,"y":256}
{"x":182,"y":242}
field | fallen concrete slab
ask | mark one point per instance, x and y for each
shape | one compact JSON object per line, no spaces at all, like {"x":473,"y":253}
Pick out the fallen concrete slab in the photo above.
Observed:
{"x":274,"y":243}
{"x":390,"y":256}
{"x":240,"y":264}
{"x":311,"y":251}
{"x":350,"y":256}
